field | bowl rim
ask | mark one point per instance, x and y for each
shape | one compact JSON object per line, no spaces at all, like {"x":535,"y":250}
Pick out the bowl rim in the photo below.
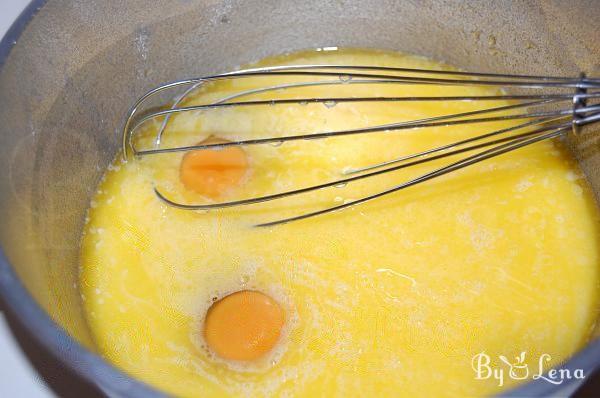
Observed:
{"x":93,"y":368}
{"x":25,"y":310}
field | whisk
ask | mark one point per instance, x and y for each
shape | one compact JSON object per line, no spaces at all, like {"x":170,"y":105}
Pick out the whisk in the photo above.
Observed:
{"x":546,"y":106}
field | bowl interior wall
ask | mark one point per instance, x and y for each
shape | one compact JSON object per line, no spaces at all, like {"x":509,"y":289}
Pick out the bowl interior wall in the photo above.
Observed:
{"x":78,"y":66}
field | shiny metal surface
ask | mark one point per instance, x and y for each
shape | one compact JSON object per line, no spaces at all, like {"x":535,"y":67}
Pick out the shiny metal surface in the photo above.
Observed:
{"x":77,"y":65}
{"x":576,"y":114}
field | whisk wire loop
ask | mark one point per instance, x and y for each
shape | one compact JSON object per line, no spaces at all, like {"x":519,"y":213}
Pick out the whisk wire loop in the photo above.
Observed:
{"x":540,"y":113}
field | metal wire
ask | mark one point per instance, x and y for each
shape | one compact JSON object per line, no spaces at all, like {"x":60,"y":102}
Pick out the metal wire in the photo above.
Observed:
{"x":539,"y":122}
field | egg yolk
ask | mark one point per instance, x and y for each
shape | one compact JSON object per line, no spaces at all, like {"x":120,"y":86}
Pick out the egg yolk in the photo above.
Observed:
{"x":212,"y":172}
{"x":244,"y":325}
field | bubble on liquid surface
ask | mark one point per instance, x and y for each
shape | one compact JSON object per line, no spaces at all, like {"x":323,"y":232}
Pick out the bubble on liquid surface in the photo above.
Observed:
{"x":345,"y":78}
{"x":276,"y":143}
{"x":330,"y":104}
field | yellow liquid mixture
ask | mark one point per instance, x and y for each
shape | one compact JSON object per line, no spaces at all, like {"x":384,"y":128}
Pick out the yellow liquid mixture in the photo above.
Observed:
{"x":390,"y":298}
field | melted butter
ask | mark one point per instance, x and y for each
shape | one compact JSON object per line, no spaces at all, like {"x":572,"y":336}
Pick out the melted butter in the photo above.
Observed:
{"x":393,"y":297}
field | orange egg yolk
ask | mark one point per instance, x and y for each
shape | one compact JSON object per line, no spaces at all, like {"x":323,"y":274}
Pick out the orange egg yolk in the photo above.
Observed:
{"x":244,"y":325}
{"x":212,"y":172}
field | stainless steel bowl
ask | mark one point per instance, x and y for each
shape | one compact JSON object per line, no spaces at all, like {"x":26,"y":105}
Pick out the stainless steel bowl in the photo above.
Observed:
{"x":70,"y":69}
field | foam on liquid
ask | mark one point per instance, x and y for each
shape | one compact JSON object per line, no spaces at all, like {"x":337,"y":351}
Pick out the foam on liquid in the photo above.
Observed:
{"x":390,"y":298}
